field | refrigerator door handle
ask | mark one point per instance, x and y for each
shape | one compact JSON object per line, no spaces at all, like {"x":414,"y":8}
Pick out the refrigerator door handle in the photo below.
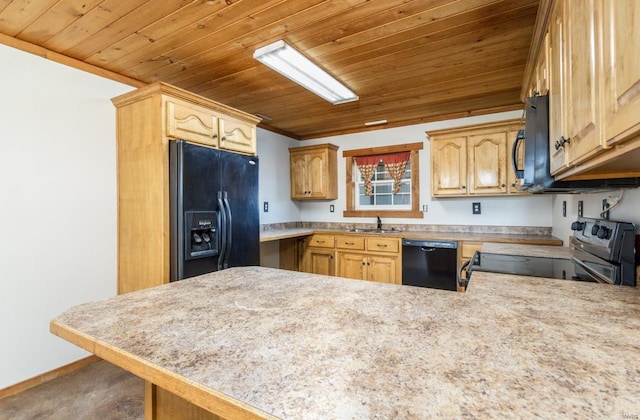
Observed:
{"x":223,"y":230}
{"x":227,"y":252}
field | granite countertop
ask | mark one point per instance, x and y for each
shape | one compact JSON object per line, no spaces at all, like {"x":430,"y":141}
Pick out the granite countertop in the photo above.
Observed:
{"x":277,"y":234}
{"x":529,"y":250}
{"x":306,"y":346}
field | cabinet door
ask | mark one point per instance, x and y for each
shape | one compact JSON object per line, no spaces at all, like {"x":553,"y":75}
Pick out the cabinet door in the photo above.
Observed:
{"x":557,"y":95}
{"x":542,"y":71}
{"x":191,"y":122}
{"x":382,"y":268}
{"x":351,"y":265}
{"x":449,"y":166}
{"x":298,"y":163}
{"x":237,"y":136}
{"x":487,"y":163}
{"x":621,"y":42}
{"x":320,"y":261}
{"x":582,"y":74}
{"x":317,"y":174}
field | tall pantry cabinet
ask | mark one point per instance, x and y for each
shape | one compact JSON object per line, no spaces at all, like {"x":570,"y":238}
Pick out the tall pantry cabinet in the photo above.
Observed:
{"x":146,"y":119}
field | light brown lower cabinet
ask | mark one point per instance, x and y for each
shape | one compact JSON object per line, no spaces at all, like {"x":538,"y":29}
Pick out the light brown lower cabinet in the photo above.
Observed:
{"x":372,"y":267}
{"x":320,"y":261}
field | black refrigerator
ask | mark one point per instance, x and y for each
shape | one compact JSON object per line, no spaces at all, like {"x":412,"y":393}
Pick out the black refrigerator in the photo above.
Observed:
{"x":215,"y":221}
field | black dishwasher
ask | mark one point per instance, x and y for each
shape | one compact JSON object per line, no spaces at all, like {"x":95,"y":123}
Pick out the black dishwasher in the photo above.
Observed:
{"x":430,"y":263}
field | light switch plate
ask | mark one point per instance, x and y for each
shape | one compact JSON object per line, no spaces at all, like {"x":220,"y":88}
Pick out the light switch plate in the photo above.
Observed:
{"x":564,"y":208}
{"x":580,"y":208}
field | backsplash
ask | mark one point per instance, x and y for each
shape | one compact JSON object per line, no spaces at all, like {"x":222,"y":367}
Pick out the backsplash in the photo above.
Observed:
{"x":510,"y":230}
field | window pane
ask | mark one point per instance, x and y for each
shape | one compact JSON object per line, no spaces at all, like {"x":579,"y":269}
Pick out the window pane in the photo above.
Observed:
{"x":383,"y":200}
{"x":382,"y":189}
{"x":402,"y":199}
{"x":366,"y":200}
{"x":404,"y":188}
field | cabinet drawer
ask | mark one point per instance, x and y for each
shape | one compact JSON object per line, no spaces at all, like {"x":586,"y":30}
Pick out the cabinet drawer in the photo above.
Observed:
{"x":322,"y":241}
{"x":192,"y":122}
{"x":383,"y":245}
{"x":350,"y":242}
{"x":469,"y":248}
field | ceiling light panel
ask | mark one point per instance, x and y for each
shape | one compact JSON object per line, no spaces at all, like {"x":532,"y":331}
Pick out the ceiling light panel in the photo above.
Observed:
{"x":287,"y":61}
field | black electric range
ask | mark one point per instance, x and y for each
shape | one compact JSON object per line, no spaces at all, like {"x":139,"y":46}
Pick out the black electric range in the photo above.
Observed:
{"x":604,"y":252}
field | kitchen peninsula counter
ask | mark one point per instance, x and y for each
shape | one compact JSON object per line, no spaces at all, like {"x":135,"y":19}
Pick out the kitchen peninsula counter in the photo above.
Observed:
{"x":263,"y":342}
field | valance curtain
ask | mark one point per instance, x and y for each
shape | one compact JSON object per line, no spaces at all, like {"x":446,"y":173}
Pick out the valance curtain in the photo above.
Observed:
{"x":395,"y":164}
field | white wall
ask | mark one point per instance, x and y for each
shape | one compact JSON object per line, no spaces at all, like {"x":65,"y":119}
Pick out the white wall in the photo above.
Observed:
{"x":58,"y":206}
{"x":626,"y":211}
{"x":275,"y":188}
{"x":503,"y":211}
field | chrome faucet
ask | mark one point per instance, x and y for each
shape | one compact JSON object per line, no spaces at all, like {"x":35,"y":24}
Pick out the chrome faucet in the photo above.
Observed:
{"x":379,"y":223}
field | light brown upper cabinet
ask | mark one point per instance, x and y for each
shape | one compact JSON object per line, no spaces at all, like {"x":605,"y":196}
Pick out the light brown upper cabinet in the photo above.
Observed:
{"x":621,"y":42}
{"x":474,"y":160}
{"x":314,"y":172}
{"x":594,"y":86}
{"x":237,"y":135}
{"x":147,"y":119}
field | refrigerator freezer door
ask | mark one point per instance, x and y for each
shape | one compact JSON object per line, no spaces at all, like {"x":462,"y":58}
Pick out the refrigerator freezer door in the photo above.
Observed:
{"x":194,"y":183}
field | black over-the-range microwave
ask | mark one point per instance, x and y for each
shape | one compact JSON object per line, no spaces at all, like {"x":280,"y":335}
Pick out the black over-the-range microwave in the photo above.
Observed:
{"x":536,"y":174}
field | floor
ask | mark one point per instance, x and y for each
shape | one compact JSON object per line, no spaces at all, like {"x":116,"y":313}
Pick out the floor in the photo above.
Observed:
{"x":97,"y":391}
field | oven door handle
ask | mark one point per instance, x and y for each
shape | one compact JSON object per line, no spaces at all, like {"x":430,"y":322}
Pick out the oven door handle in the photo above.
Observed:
{"x":463,"y":283}
{"x":594,"y":274}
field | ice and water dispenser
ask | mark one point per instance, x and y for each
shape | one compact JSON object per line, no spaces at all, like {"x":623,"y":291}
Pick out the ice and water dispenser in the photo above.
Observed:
{"x":200,"y":234}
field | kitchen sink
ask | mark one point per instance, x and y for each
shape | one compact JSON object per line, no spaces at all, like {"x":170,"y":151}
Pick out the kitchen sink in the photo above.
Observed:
{"x":375,"y":230}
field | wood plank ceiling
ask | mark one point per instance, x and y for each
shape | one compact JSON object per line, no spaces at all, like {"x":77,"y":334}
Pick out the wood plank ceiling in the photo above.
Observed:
{"x":409,"y":61}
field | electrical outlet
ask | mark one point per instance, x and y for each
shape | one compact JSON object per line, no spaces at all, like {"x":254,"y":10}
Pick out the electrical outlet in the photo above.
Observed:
{"x":332,"y":208}
{"x":476,"y":208}
{"x":605,"y":212}
{"x":265,"y":207}
{"x":580,"y":208}
{"x":425,"y":208}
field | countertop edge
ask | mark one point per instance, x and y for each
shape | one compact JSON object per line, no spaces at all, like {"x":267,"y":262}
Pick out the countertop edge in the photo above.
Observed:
{"x":209,"y":399}
{"x":275,"y":235}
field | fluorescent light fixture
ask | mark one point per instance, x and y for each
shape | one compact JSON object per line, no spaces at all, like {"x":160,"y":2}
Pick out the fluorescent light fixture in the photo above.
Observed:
{"x":287,"y":61}
{"x":379,"y":122}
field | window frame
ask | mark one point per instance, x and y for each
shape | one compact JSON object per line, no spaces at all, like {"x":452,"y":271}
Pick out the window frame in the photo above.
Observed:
{"x":377,"y":183}
{"x":351,"y":195}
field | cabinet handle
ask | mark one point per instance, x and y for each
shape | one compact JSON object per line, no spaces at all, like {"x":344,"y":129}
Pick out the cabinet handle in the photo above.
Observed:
{"x":562,"y":142}
{"x":224,"y":138}
{"x":215,"y":135}
{"x":464,"y":186}
{"x":349,"y":243}
{"x":503,"y":185}
{"x":363,"y":263}
{"x":319,"y":241}
{"x":382,"y":245}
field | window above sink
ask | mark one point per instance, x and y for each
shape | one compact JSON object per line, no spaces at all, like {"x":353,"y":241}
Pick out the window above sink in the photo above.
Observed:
{"x":380,"y":194}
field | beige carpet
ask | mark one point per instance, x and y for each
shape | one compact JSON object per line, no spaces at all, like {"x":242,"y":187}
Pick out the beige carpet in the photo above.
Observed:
{"x":99,"y":391}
